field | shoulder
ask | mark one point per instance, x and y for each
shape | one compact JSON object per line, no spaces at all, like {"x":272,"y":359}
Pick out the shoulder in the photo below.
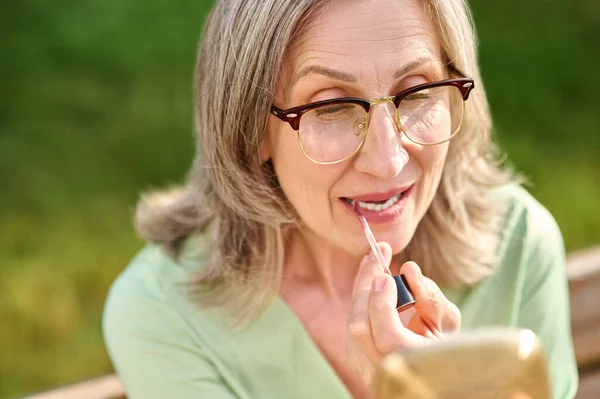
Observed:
{"x":534,"y":269}
{"x":141,"y":279}
{"x":160,"y":342}
{"x":153,"y":273}
{"x":528,"y":228}
{"x":149,"y":298}
{"x":530,"y":254}
{"x":137,"y":298}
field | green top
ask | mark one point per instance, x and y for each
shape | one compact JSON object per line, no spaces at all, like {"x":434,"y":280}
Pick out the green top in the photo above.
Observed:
{"x":163,"y":346}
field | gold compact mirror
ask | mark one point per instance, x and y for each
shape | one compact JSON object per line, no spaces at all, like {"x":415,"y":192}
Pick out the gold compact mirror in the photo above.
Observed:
{"x":498,"y":363}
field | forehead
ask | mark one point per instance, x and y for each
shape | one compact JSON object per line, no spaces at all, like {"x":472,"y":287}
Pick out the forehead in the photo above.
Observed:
{"x":365,"y":37}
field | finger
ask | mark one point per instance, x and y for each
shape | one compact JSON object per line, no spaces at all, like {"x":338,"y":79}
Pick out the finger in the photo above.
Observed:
{"x":369,"y":267}
{"x":388,"y":332}
{"x":435,"y":309}
{"x":359,"y":328}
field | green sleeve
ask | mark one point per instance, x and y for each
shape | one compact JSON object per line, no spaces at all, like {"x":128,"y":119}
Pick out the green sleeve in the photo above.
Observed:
{"x":544,"y":306}
{"x":152,"y":351}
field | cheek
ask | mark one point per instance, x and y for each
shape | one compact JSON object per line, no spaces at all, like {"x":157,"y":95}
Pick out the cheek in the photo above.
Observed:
{"x":438,"y":161}
{"x":305,"y":184}
{"x":432,"y":161}
{"x":308,"y":189}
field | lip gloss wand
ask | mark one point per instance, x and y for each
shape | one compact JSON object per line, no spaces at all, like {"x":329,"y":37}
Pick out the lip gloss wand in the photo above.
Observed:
{"x":405,"y":299}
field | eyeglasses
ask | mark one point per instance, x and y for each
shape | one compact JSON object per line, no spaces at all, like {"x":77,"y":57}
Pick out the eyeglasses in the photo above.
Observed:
{"x":332,"y":131}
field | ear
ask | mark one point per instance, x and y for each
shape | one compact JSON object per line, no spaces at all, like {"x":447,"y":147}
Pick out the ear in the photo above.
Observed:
{"x":264,"y":149}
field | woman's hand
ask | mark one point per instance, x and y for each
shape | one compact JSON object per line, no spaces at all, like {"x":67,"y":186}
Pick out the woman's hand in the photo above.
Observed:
{"x":374,"y":326}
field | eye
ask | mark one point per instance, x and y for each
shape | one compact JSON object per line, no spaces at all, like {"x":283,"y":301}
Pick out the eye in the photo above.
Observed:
{"x":333,"y":109}
{"x":419,"y":95}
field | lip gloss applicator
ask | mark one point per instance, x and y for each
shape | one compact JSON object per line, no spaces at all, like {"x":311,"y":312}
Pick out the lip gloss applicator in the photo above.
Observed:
{"x":405,"y":299}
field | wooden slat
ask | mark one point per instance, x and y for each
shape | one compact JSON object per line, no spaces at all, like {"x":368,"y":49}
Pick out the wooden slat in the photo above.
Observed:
{"x":583,"y":263}
{"x":583,"y":269}
{"x":107,"y":387}
{"x":589,"y":386}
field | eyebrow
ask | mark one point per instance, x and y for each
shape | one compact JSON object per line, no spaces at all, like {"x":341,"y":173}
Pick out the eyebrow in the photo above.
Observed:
{"x":419,"y":62}
{"x":321,"y":70}
{"x":346,"y":77}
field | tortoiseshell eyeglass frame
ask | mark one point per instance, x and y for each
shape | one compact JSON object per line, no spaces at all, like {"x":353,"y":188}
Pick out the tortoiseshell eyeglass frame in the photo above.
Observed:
{"x":293,"y":115}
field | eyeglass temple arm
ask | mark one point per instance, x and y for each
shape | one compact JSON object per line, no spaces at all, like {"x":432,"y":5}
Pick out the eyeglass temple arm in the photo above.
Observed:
{"x":456,"y":71}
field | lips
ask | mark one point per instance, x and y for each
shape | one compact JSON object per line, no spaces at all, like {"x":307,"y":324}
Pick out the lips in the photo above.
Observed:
{"x":380,"y":208}
{"x":377,"y":197}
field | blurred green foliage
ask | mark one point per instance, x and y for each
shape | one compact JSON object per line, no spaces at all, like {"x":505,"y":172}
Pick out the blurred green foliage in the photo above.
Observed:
{"x":96,"y":107}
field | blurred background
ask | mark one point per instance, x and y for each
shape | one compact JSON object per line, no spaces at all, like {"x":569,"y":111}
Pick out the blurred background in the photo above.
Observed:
{"x":96,"y":106}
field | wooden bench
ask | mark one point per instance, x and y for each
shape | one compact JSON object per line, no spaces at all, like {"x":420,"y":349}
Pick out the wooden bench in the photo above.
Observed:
{"x":583,"y":269}
{"x":584,"y":286}
{"x":106,"y":387}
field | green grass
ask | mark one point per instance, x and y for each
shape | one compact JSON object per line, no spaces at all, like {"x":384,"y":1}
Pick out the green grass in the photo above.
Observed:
{"x":539,"y":65}
{"x":96,"y":107}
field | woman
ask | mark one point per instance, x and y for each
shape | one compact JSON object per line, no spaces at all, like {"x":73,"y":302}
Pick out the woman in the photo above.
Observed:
{"x":259,"y":282}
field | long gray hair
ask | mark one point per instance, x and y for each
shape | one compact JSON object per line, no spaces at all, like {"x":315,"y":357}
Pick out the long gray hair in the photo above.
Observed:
{"x":234,"y":201}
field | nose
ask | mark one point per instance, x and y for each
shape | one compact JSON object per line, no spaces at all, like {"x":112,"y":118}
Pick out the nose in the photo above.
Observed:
{"x":383,"y":154}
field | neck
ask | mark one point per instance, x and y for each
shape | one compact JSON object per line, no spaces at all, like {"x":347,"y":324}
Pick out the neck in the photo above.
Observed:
{"x":312,"y":260}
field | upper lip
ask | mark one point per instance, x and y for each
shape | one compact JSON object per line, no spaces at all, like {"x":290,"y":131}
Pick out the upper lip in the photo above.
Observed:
{"x":381,"y":196}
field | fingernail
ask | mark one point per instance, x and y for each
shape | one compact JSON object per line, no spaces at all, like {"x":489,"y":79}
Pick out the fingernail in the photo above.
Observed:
{"x":378,"y":283}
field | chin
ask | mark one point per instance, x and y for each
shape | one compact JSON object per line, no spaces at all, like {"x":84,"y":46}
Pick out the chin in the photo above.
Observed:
{"x":399,"y":234}
{"x":397,"y":238}
{"x":399,"y":243}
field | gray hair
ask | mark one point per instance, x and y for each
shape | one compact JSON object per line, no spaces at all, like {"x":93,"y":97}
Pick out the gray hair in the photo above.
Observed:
{"x":235,"y":202}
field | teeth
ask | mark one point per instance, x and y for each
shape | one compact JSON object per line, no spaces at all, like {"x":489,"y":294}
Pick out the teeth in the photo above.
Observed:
{"x":380,"y":207}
